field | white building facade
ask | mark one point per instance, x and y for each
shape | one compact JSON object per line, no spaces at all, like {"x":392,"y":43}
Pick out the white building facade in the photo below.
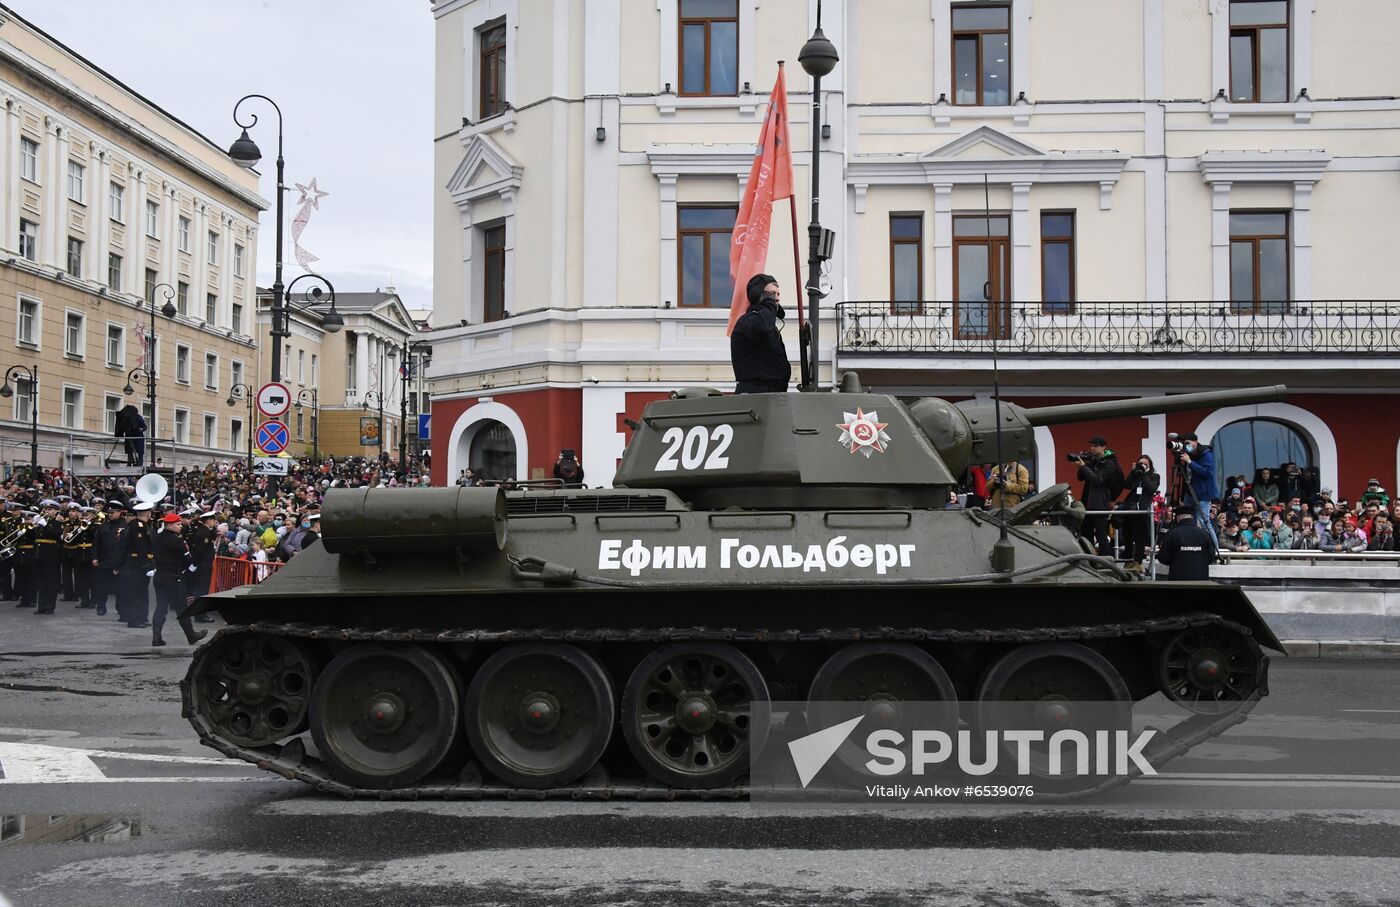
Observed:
{"x":1182,"y":194}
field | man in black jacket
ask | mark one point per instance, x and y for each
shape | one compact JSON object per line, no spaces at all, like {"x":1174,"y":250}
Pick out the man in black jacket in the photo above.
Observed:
{"x":138,"y":563}
{"x":172,"y":564}
{"x":756,"y":347}
{"x":108,"y":558}
{"x":48,"y":552}
{"x":1103,"y":481}
{"x":1187,"y":549}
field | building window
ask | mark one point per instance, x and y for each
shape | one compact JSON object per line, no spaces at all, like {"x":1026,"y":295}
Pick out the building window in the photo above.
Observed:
{"x":211,"y":371}
{"x":237,"y":260}
{"x":76,"y":172}
{"x":73,"y":334}
{"x":1258,"y":50}
{"x":75,"y":256}
{"x":213,"y":248}
{"x":151,"y":280}
{"x":116,"y":346}
{"x":72,"y":407}
{"x":110,"y":404}
{"x":152,"y":219}
{"x":704,"y":233}
{"x":11,"y":828}
{"x":1245,"y":447}
{"x":315,"y":363}
{"x":114,"y":272}
{"x":150,"y":419}
{"x":184,"y":233}
{"x":301,"y":366}
{"x":28,"y":239}
{"x":237,"y":319}
{"x":236,"y":372}
{"x":301,"y":422}
{"x":182,"y":426}
{"x":906,"y":263}
{"x":27,"y":328}
{"x":981,"y":276}
{"x":29,"y":160}
{"x":151,"y":359}
{"x":24,"y":399}
{"x":494,"y":276}
{"x":982,"y":55}
{"x":235,"y":434}
{"x":492,"y":39}
{"x":211,"y":430}
{"x":1259,"y":261}
{"x":116,"y":194}
{"x":211,"y":308}
{"x":709,"y":47}
{"x":182,"y":364}
{"x":1057,"y":261}
{"x":182,"y":297}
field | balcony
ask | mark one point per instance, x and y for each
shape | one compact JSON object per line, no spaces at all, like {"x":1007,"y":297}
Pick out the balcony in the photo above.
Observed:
{"x":1125,"y":329}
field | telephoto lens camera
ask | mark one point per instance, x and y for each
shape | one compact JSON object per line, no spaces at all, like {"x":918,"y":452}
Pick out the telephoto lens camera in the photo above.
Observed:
{"x":1082,"y":455}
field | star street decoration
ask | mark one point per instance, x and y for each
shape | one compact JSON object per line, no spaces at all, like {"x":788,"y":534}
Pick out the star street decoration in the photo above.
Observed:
{"x":310,"y":198}
{"x":863,"y":433}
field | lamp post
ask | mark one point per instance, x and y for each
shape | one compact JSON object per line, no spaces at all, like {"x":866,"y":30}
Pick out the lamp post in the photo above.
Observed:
{"x":245,"y":392}
{"x":31,"y":377}
{"x":818,"y":58}
{"x":405,"y":374}
{"x":245,"y":153}
{"x":147,"y":370}
{"x":315,"y":420}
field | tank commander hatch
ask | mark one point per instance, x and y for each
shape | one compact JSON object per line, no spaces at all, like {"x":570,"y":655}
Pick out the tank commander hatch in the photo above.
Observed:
{"x":756,"y":347}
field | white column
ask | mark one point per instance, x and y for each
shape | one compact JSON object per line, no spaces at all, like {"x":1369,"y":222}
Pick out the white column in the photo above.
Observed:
{"x":468,"y":278}
{"x":12,"y":178}
{"x":943,"y":242}
{"x":1220,"y":240}
{"x":361,"y":364}
{"x":136,"y":235}
{"x":602,"y":66}
{"x":1302,"y":288}
{"x":55,"y":193}
{"x":508,"y":209}
{"x":99,"y":230}
{"x":226,"y":271}
{"x":602,"y":442}
{"x":8,"y":169}
{"x":1020,"y":241}
{"x":199,"y":277}
{"x":667,"y":288}
{"x":169,"y":237}
{"x":1219,"y":46}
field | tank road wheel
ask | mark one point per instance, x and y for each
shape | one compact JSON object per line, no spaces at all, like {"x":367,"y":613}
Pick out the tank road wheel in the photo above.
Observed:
{"x":686,"y":714}
{"x":875,"y":679}
{"x":1208,"y":669}
{"x":385,"y":716}
{"x":540,"y":714}
{"x":254,"y":690}
{"x":1050,"y":687}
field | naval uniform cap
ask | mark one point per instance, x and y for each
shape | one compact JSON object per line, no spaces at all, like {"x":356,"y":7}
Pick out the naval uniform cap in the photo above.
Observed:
{"x":209,"y":515}
{"x":48,"y":502}
{"x":144,"y":505}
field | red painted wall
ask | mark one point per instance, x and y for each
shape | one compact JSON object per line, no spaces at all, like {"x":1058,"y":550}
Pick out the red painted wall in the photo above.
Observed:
{"x":553,"y":419}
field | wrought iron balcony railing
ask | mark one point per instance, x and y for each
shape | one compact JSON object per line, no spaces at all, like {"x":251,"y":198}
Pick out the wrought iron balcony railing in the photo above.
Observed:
{"x":1120,"y":328}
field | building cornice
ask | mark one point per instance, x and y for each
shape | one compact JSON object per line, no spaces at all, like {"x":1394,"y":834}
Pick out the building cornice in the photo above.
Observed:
{"x":701,"y":160}
{"x":1263,"y":166}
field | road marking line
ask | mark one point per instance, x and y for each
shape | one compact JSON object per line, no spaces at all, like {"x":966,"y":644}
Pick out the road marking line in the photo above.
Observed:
{"x":1372,"y":711}
{"x":34,"y":763}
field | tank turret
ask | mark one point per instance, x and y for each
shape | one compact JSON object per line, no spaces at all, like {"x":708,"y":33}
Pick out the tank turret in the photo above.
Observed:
{"x":851,"y":448}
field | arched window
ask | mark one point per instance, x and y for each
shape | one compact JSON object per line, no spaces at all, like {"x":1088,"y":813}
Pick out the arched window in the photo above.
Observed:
{"x":492,"y":454}
{"x":1246,"y":446}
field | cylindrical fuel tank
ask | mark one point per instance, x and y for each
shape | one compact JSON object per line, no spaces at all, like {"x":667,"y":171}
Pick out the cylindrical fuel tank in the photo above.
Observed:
{"x":413,"y":519}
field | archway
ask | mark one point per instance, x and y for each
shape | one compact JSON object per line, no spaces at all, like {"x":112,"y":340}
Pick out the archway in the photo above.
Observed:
{"x":1312,"y":428}
{"x":492,"y":452}
{"x":1246,"y":446}
{"x":487,"y":417}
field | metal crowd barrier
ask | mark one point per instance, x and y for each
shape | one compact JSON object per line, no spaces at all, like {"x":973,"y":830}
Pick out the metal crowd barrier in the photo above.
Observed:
{"x":232,"y":572}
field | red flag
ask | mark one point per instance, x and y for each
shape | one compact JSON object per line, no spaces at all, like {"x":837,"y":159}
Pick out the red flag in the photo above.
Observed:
{"x":770,"y":179}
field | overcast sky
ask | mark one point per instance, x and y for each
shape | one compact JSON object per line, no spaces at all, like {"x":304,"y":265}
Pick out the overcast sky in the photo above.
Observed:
{"x":354,"y":80}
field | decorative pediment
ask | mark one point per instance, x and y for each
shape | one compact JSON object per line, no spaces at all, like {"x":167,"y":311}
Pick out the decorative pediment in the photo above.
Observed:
{"x":985,"y":142}
{"x":486,"y":169}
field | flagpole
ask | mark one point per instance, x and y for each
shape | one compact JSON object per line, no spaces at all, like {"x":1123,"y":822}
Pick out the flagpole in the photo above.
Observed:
{"x":805,"y":363}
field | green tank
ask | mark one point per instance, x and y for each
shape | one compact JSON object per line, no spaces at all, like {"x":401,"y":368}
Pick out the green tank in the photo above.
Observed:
{"x":465,"y":642}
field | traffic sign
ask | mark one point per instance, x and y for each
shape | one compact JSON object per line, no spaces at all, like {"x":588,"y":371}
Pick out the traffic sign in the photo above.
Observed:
{"x":424,"y":426}
{"x":274,"y":399}
{"x":273,"y":437}
{"x":270,"y":466}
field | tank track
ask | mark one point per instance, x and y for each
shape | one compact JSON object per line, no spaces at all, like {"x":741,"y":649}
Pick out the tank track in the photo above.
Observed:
{"x":291,"y":761}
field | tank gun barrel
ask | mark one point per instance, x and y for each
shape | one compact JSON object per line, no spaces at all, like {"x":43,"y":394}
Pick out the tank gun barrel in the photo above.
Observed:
{"x":1175,"y":403}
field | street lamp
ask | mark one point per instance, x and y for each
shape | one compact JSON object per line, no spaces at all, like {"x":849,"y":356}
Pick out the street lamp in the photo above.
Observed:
{"x":245,"y":153}
{"x":146,"y":371}
{"x":818,"y":58}
{"x":315,"y":420}
{"x":406,"y":373}
{"x":31,"y":377}
{"x":245,"y":392}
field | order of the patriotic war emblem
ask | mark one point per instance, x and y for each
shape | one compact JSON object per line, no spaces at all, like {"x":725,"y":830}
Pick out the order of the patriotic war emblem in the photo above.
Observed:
{"x":863,"y":433}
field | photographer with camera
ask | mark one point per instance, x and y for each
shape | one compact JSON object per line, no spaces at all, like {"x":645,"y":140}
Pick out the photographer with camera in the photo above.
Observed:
{"x":1008,"y":485}
{"x":1198,"y":461}
{"x":1103,"y":482}
{"x":1142,"y":484}
{"x":569,"y":469}
{"x":756,"y":347}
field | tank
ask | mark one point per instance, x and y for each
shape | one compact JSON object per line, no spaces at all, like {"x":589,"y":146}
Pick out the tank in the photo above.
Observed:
{"x":471,"y":642}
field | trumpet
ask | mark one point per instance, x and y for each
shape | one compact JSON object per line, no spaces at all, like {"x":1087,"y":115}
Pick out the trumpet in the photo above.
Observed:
{"x":12,"y":529}
{"x":73,"y":534}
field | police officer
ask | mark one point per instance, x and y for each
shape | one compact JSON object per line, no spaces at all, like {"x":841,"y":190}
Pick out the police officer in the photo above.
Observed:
{"x":108,"y":558}
{"x":201,"y":542}
{"x":172,"y":564}
{"x":138,"y":565}
{"x":48,"y":552}
{"x":756,"y":345}
{"x":1188,"y":549}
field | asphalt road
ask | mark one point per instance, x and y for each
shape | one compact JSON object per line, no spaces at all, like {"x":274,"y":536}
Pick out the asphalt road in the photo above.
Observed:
{"x":1298,"y":806}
